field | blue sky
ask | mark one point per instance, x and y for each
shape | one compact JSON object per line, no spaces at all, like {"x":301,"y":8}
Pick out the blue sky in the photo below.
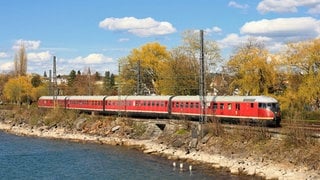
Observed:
{"x":96,"y":33}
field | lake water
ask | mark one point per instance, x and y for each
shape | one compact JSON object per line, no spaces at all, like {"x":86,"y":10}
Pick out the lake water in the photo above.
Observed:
{"x":37,"y":158}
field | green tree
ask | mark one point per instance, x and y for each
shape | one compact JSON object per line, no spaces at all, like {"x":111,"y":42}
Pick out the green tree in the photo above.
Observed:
{"x":36,"y":80}
{"x":72,"y":77}
{"x":109,"y":84}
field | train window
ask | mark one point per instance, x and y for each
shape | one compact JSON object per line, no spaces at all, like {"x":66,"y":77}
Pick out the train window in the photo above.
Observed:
{"x":221,"y":105}
{"x":187,"y":105}
{"x":181,"y":105}
{"x":215,"y":105}
{"x":177,"y":104}
{"x":262,"y":105}
{"x":237,"y":106}
{"x":229,"y":106}
{"x":269,"y":105}
{"x":275,"y":105}
{"x":197,"y":105}
{"x":191,"y":105}
{"x":251,"y":105}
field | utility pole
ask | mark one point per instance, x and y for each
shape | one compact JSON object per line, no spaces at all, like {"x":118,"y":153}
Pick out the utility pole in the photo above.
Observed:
{"x":50,"y":83}
{"x":89,"y":81}
{"x":202,"y":93}
{"x":54,"y":82}
{"x":119,"y":89}
{"x":138,"y":78}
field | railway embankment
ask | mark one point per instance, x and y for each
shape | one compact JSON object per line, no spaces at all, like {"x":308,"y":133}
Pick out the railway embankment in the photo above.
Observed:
{"x":242,"y":152}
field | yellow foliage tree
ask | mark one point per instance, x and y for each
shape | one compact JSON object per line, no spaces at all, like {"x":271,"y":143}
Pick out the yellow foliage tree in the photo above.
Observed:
{"x":303,"y":62}
{"x":18,"y":89}
{"x":253,"y":69}
{"x":140,"y":70}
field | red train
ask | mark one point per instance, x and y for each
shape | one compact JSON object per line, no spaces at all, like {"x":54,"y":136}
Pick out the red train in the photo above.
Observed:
{"x":256,"y":108}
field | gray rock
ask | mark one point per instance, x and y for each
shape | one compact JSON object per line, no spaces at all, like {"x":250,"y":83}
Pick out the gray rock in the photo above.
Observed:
{"x":78,"y":123}
{"x":116,"y":128}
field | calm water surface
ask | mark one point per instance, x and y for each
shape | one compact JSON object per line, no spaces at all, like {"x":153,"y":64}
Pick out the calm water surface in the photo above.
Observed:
{"x":36,"y":158}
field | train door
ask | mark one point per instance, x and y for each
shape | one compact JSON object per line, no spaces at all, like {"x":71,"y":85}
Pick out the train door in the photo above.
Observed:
{"x":238,"y":109}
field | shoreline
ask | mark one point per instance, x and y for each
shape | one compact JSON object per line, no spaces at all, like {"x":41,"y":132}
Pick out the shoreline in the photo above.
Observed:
{"x":237,"y":166}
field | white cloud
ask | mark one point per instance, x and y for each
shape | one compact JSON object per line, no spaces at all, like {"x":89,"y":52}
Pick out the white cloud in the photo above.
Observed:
{"x":91,"y":59}
{"x":214,"y":29}
{"x":140,"y":27}
{"x":39,"y":57}
{"x":31,"y":45}
{"x":314,"y":10}
{"x":237,"y":5}
{"x":7,"y":66}
{"x":123,"y":39}
{"x":274,"y":33}
{"x":234,"y":40}
{"x":286,"y":28}
{"x":281,"y":6}
{"x":3,"y":55}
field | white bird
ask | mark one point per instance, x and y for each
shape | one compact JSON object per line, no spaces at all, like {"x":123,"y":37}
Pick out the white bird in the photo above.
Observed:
{"x":181,"y":166}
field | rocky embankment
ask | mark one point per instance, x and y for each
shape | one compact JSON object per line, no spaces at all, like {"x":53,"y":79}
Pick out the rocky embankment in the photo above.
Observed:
{"x":167,"y":139}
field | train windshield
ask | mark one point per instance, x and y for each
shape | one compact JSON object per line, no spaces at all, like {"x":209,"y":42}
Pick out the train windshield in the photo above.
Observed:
{"x":269,"y":105}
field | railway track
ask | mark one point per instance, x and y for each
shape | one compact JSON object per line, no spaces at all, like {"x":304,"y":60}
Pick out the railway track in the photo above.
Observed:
{"x":302,"y":125}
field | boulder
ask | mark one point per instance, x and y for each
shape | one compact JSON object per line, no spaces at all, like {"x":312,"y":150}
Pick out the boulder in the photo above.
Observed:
{"x":116,"y":128}
{"x":78,"y":123}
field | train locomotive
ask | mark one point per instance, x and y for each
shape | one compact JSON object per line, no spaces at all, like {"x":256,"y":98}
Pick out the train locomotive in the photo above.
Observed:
{"x":247,"y":108}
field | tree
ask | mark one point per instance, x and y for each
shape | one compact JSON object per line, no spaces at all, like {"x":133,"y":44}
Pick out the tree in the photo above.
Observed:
{"x":253,"y":69}
{"x":109,"y":84}
{"x":36,"y":80}
{"x":303,"y":63}
{"x":140,"y":70}
{"x":180,"y":73}
{"x":18,"y":89}
{"x":20,"y":62}
{"x":191,"y":48}
{"x":72,"y":77}
{"x":4,"y":78}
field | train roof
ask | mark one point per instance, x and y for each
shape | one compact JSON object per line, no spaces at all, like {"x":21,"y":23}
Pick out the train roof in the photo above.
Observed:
{"x":95,"y":98}
{"x":51,"y":97}
{"x":141,"y":98}
{"x":265,"y":99}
